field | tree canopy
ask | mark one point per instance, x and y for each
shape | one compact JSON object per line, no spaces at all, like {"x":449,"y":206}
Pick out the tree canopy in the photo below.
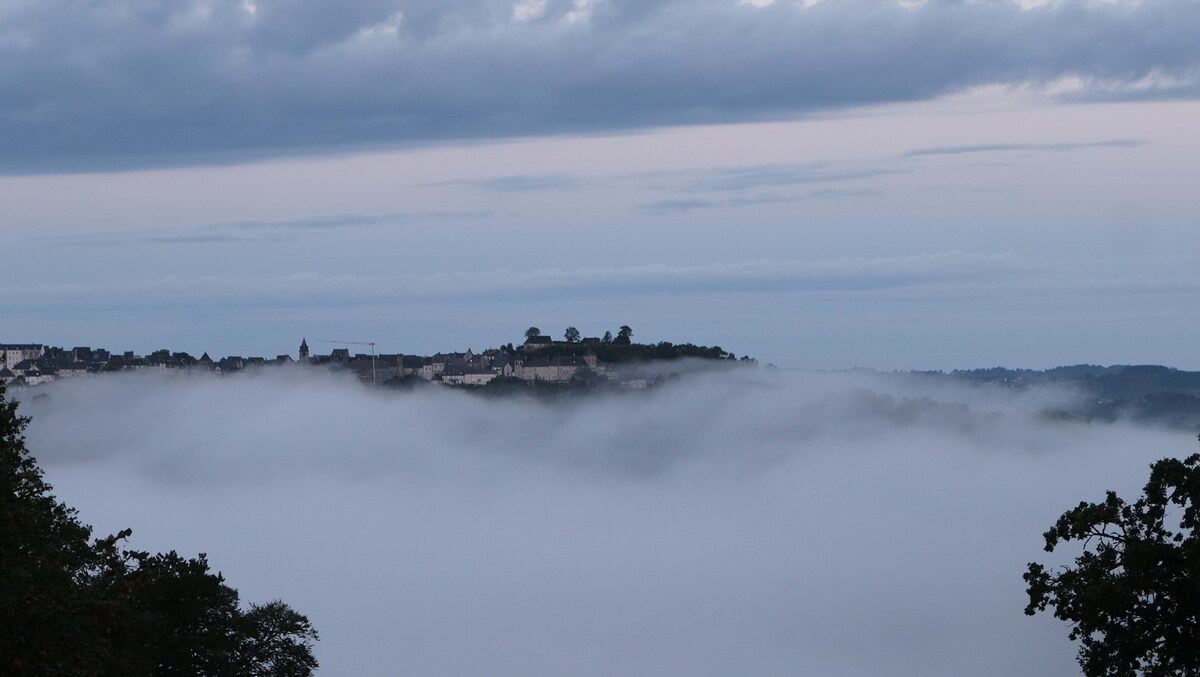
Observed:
{"x":71,"y":606}
{"x":1133,"y":595}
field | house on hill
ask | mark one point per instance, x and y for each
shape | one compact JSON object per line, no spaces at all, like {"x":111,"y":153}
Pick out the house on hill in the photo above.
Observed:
{"x":32,"y":374}
{"x":555,"y":369}
{"x":230,"y":364}
{"x":440,"y":362}
{"x":12,"y":354}
{"x":534,"y":343}
{"x":468,"y":375}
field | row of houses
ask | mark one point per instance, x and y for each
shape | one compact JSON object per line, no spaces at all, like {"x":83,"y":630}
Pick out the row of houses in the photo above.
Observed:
{"x":466,"y":368}
{"x":33,"y":364}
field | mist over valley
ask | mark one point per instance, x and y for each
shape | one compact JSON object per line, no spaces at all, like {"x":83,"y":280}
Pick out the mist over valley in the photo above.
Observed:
{"x":743,"y":521}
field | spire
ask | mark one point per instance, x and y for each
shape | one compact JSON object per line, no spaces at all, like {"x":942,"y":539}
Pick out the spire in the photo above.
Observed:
{"x":303,"y":350}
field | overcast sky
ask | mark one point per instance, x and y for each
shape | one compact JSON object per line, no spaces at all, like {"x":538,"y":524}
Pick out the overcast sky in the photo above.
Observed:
{"x":824,"y":184}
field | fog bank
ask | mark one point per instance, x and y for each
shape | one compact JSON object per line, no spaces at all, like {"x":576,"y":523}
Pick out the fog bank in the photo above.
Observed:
{"x":750,"y":522}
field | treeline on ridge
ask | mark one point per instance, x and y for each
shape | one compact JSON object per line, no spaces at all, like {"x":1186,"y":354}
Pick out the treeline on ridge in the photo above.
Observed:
{"x":638,"y":352}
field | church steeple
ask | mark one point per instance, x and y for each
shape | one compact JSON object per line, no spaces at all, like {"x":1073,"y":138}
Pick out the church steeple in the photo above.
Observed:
{"x":303,"y":350}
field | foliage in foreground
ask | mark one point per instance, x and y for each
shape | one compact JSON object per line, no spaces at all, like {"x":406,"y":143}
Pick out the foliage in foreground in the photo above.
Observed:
{"x":1133,"y":596}
{"x":72,"y":606}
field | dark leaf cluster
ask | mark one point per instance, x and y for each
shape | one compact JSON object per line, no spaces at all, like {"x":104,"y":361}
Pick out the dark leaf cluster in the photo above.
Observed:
{"x":1132,"y":597}
{"x":74,"y":606}
{"x":618,"y":353}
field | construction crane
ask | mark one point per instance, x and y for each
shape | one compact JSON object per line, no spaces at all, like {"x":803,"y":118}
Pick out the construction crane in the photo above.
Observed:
{"x":374,"y":381}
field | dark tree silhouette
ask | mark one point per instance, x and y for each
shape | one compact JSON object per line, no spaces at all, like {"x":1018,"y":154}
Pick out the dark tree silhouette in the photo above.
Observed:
{"x":1133,"y":596}
{"x":69,"y":606}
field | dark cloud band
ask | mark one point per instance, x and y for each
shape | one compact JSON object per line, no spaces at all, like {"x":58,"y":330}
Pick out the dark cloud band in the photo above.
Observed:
{"x":122,"y":84}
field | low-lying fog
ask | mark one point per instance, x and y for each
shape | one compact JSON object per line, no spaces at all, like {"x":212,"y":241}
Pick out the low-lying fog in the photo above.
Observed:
{"x":745,"y":523}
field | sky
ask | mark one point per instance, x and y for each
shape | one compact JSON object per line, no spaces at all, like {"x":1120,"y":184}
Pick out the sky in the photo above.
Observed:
{"x":829,"y":184}
{"x":748,"y":522}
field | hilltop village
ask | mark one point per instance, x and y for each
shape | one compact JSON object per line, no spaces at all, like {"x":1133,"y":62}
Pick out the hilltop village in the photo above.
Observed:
{"x":538,"y":360}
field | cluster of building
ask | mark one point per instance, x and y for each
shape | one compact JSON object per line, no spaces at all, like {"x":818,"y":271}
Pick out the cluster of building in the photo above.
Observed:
{"x":33,"y":364}
{"x":527,"y":362}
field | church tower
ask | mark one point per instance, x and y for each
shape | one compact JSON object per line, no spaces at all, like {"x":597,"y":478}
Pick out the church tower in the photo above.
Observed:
{"x":304,"y":351}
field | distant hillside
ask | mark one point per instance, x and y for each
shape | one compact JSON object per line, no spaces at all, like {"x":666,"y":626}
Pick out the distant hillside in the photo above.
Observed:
{"x":1147,"y":393}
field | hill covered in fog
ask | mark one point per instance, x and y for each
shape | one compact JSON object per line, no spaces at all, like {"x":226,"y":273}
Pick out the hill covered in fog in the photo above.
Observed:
{"x":1144,"y":393}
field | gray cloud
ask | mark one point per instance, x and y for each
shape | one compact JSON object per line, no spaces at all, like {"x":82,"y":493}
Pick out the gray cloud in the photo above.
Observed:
{"x":258,"y":230}
{"x":745,"y":523}
{"x":129,"y":84}
{"x":922,"y":271}
{"x":930,"y":277}
{"x":730,"y":179}
{"x":517,"y":183}
{"x":675,"y":205}
{"x":744,"y":178}
{"x":1065,"y":147}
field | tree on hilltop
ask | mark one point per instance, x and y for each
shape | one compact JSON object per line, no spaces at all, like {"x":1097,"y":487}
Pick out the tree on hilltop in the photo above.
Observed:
{"x":532,"y":331}
{"x":571,"y":335}
{"x":1132,"y":597}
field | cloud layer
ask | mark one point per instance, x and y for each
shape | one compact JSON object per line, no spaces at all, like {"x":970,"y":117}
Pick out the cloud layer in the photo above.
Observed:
{"x":936,"y":272}
{"x":751,"y":523}
{"x":127,"y":83}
